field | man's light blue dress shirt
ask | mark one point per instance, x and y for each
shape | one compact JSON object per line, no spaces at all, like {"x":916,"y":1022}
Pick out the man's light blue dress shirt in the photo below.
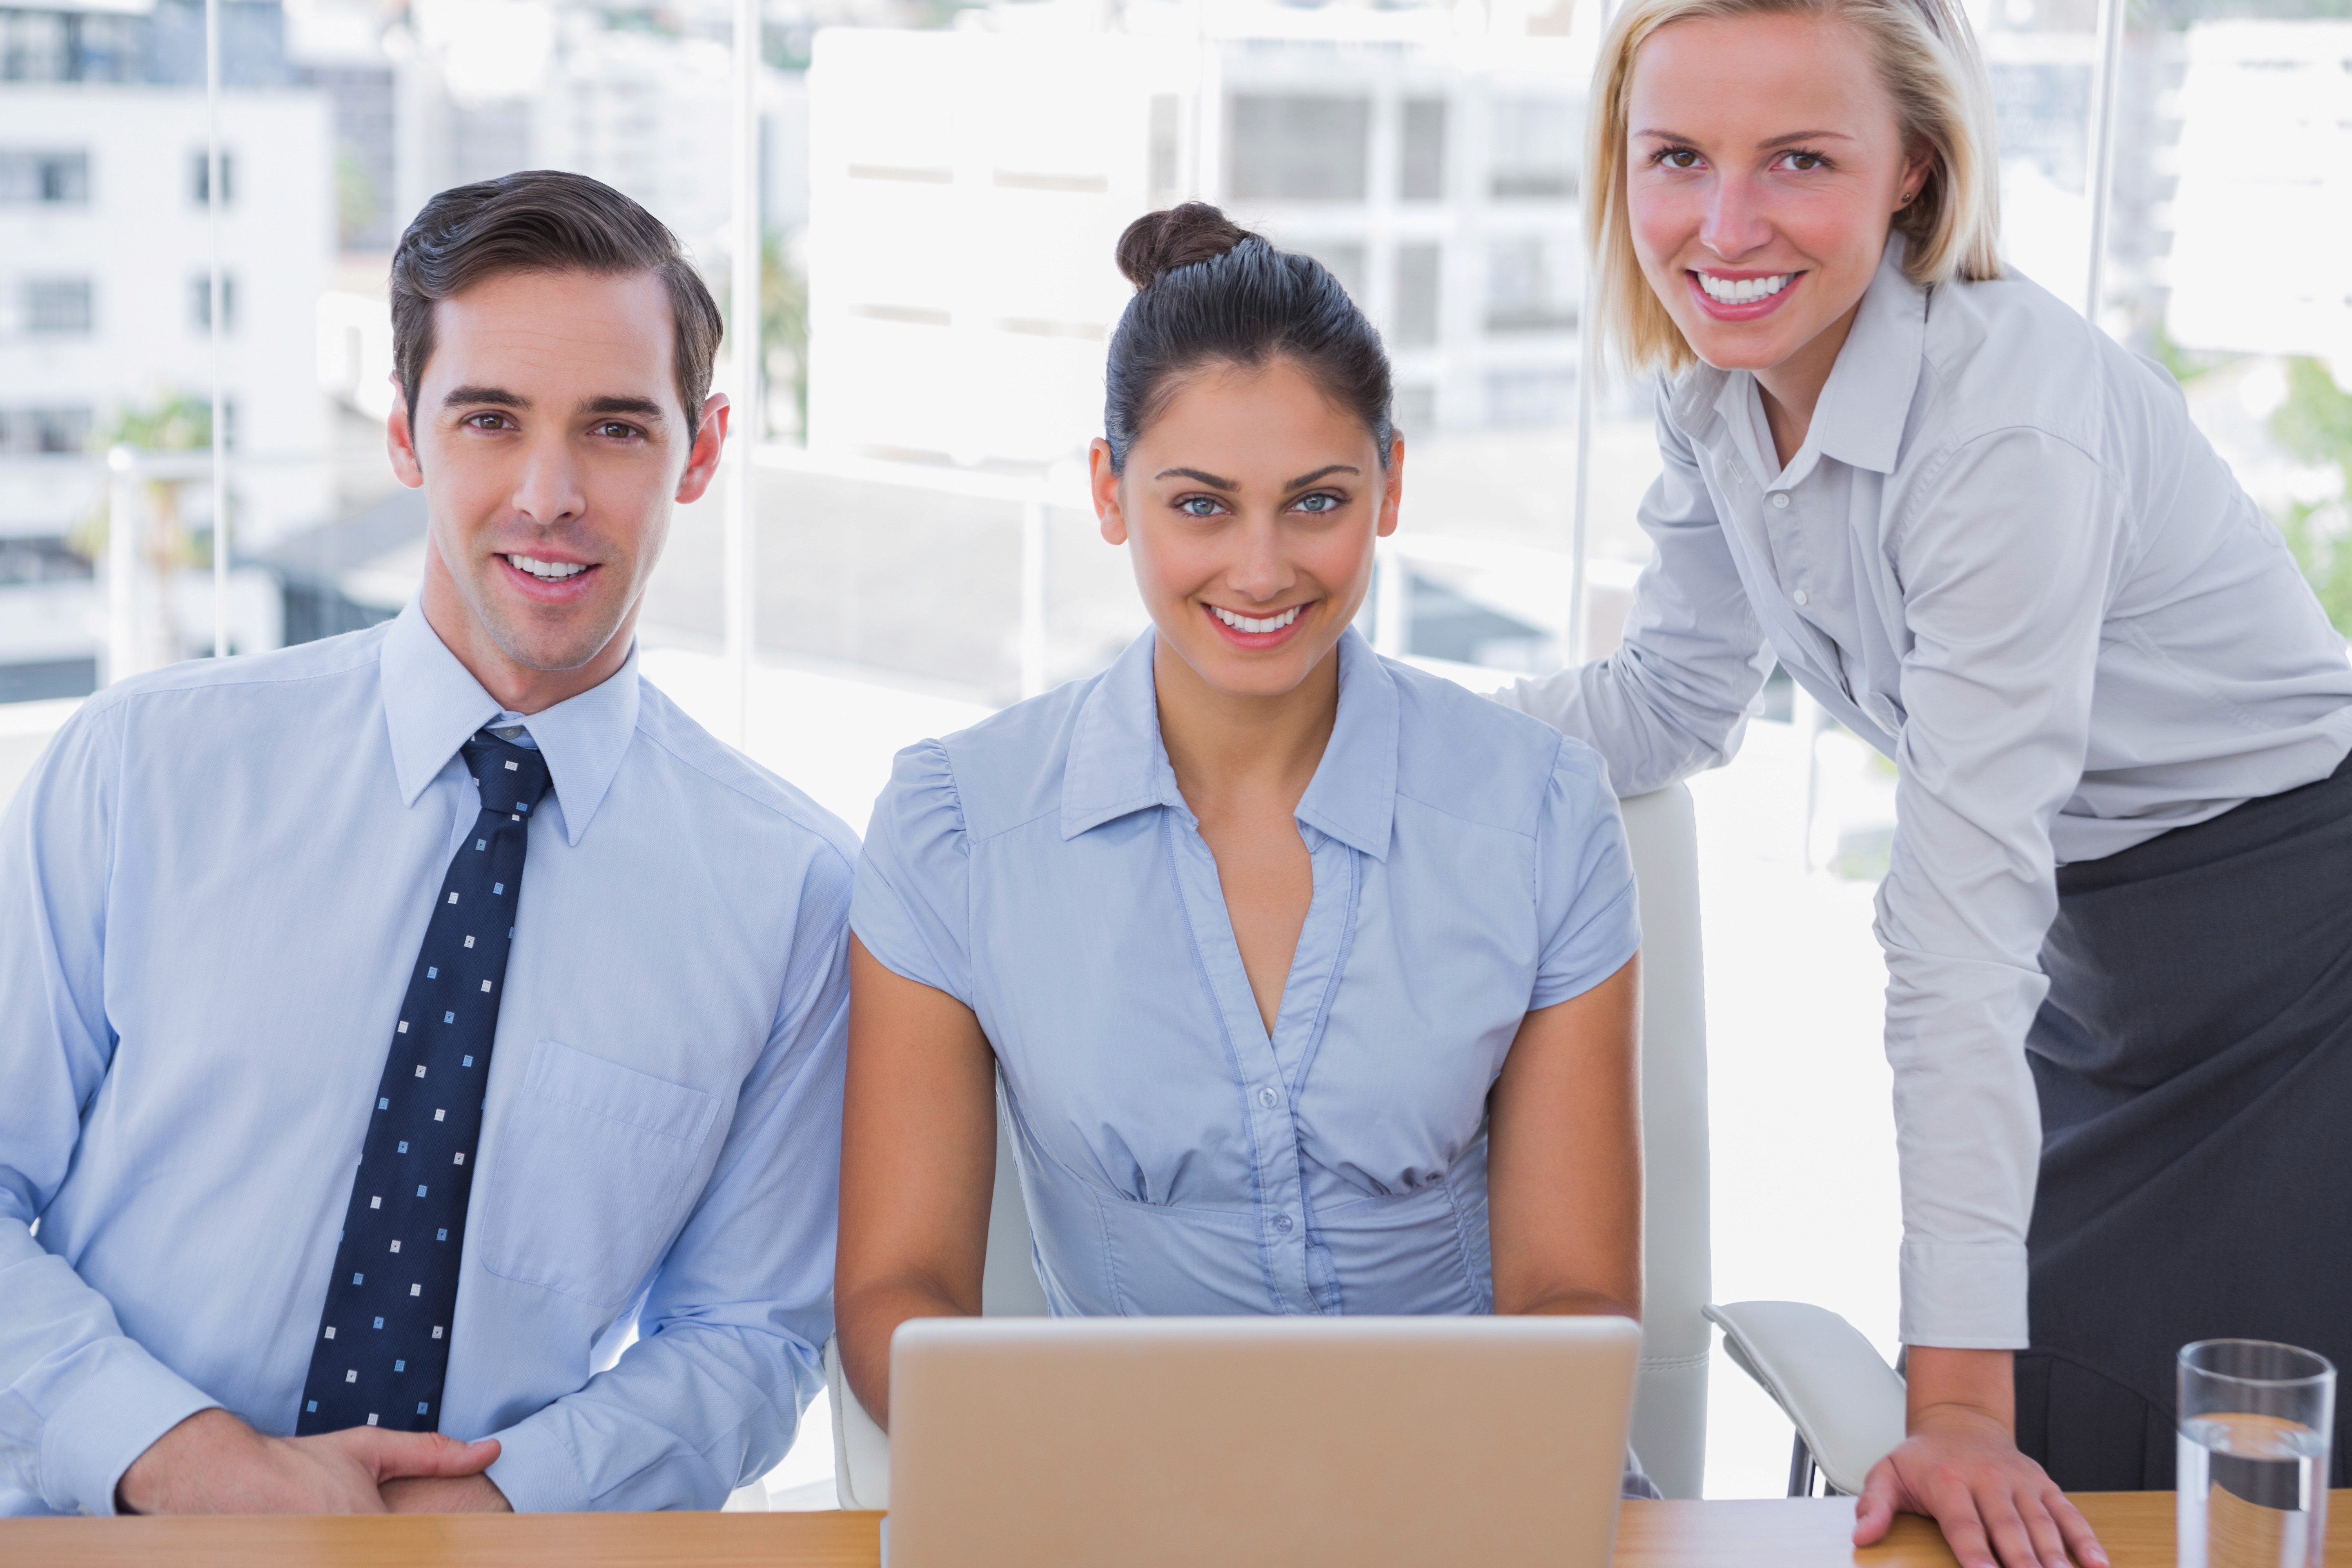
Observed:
{"x":1041,"y":868}
{"x":212,"y":890}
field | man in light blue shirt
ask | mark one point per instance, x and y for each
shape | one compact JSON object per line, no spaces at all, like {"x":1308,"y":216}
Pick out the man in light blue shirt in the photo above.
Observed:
{"x":294,"y":1195}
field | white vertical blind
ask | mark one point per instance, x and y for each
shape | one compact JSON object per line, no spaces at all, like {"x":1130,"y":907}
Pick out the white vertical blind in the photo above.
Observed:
{"x":2106,"y":87}
{"x":743,"y":340}
{"x":1588,"y":369}
{"x":213,"y":181}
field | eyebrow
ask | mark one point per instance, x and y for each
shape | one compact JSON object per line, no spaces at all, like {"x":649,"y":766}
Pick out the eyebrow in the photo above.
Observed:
{"x":1209,"y":479}
{"x":490,"y":394}
{"x":1215,"y":483}
{"x":1790,"y":139}
{"x":644,"y":408}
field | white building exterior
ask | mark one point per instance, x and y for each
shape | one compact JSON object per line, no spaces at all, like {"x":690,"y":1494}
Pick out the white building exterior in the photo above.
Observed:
{"x":967,"y":189}
{"x":103,"y":300}
{"x":2263,"y":219}
{"x":104,"y":253}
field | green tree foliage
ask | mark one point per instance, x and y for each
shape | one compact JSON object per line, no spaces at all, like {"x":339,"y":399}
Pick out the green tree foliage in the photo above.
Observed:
{"x":784,"y":326}
{"x":2315,"y":424}
{"x":168,"y":422}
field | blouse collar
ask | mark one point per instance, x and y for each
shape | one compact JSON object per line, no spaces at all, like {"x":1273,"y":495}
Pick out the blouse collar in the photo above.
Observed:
{"x":1118,"y":764}
{"x":1867,"y":399}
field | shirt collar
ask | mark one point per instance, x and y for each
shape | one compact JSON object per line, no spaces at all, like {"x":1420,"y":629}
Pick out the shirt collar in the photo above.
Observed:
{"x":1859,"y":420}
{"x":433,"y":705}
{"x":1860,"y":417}
{"x":1118,"y":764}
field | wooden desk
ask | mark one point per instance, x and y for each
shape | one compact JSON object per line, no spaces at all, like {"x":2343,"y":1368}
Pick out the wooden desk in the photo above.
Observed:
{"x":2136,"y":1528}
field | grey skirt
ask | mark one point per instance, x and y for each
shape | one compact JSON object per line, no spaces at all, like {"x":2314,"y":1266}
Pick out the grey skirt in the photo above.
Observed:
{"x":2194,"y":1065}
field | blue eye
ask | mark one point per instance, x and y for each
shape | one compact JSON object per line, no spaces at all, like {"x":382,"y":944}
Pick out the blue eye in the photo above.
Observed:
{"x":1317,"y":504}
{"x":1197,"y":506}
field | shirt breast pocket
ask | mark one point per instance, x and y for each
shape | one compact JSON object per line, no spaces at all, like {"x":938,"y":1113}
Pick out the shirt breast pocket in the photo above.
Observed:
{"x":593,"y":1166}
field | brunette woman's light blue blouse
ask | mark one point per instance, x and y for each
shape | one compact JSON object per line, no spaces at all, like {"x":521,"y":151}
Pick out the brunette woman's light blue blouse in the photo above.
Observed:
{"x":1041,"y":868}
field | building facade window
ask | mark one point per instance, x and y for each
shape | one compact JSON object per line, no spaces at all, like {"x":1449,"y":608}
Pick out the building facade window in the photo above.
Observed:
{"x":55,"y":307}
{"x":46,"y":558}
{"x":28,"y":431}
{"x":1421,"y":174}
{"x":70,"y":45}
{"x":42,"y":178}
{"x":1534,"y":147}
{"x":1418,"y":275}
{"x":1298,"y":149}
{"x":200,"y":177}
{"x":200,"y":303}
{"x":1531,"y":283}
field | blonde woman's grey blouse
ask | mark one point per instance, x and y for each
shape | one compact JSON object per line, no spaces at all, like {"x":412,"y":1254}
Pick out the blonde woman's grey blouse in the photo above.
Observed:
{"x":2005,"y":557}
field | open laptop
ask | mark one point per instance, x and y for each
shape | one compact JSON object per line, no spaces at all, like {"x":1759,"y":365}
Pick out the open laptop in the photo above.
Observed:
{"x":1368,"y":1442}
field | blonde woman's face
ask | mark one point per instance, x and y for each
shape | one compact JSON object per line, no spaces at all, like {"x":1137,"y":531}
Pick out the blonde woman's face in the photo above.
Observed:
{"x":1763,"y":164}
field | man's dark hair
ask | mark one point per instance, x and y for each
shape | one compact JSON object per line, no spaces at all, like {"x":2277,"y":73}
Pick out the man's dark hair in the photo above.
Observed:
{"x":544,"y":220}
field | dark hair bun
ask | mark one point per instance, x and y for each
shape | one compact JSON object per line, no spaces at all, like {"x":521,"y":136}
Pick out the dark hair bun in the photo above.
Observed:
{"x":1161,"y":242}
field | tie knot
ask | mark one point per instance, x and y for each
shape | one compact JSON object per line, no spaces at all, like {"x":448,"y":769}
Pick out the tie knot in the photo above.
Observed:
{"x":512,"y":777}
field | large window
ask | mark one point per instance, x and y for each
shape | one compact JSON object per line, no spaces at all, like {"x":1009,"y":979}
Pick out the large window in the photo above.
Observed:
{"x":937,"y":192}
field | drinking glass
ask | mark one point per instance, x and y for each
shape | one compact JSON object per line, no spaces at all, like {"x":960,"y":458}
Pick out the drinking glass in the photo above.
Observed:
{"x":2254,"y":1423}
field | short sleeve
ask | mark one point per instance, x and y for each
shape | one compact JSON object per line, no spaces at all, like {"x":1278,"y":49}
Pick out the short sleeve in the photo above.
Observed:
{"x":910,"y":908}
{"x":1589,"y":919}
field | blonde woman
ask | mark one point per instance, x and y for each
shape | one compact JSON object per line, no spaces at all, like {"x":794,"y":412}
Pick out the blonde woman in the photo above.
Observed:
{"x":1990,"y":540}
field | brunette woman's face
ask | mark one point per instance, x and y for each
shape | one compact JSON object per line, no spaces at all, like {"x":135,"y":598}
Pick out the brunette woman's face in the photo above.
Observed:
{"x":1250,"y":506}
{"x":1763,"y":165}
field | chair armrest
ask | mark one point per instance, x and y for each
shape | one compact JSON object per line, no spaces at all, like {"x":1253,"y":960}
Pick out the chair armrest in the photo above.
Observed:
{"x":861,"y":1450}
{"x":1846,"y":1402}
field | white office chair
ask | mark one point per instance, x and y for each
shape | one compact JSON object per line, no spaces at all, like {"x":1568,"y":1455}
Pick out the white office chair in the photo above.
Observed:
{"x":1823,"y":1373}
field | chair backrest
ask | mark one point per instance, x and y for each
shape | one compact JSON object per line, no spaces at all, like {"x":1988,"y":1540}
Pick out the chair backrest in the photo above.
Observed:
{"x":1670,"y":1396}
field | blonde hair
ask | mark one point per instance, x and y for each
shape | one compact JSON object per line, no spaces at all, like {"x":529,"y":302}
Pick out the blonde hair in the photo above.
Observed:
{"x":1928,"y":61}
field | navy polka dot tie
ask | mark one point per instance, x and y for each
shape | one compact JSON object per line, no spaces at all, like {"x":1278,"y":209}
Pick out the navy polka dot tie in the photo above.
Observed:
{"x":383,"y":1350}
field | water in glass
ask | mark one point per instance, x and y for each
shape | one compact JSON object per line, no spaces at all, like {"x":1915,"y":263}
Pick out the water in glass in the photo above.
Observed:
{"x":2253,"y":1492}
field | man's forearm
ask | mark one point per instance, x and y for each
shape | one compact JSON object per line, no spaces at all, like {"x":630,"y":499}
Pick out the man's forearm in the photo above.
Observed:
{"x":214,"y":1463}
{"x":463,"y":1494}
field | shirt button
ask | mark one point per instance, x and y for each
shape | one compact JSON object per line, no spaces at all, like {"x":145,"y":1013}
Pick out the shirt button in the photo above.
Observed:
{"x":1801,"y":598}
{"x":1268,"y":1098}
{"x":1282,"y":1223}
{"x":1781,"y":498}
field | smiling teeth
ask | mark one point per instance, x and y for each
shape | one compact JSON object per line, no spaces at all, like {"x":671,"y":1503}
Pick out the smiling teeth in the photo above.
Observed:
{"x":1271,"y":624}
{"x":547,"y":571}
{"x":1743,"y":290}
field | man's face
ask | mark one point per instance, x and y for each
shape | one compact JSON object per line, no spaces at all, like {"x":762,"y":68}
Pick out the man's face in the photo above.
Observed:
{"x":551,"y":445}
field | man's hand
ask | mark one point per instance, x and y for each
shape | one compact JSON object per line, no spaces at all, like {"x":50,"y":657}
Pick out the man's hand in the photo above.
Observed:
{"x":215,"y":1463}
{"x":442,"y":1494}
{"x":1960,"y":1466}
